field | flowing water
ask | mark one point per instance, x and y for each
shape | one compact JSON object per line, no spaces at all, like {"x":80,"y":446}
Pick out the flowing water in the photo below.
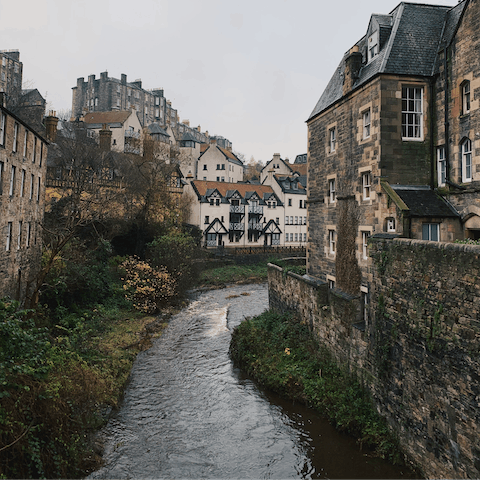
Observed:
{"x":188,"y":413}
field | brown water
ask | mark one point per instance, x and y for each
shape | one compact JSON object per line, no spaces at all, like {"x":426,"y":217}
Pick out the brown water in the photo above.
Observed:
{"x":188,"y":413}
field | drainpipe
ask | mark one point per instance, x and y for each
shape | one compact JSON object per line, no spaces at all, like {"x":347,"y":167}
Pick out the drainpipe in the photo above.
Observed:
{"x":432,"y":145}
{"x":446,"y":121}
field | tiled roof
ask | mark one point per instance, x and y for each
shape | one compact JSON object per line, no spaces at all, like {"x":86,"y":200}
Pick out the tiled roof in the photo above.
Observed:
{"x":106,"y":117}
{"x":410,"y":49}
{"x":424,"y":202}
{"x":224,"y":188}
{"x":301,"y":168}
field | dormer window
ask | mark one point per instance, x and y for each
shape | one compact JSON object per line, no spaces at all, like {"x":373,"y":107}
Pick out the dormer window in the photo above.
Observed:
{"x":465,"y":97}
{"x":372,"y":47}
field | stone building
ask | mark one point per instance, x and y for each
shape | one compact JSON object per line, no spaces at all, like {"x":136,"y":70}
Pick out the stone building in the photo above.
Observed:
{"x":23,"y":154}
{"x":376,"y":140}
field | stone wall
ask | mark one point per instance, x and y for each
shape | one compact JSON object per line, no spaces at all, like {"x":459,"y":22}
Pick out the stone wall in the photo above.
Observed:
{"x":417,"y":348}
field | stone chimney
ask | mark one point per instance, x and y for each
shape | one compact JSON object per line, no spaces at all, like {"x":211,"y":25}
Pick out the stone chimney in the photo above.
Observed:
{"x":105,"y":138}
{"x":353,"y":64}
{"x":276,"y":157}
{"x":213,"y":140}
{"x":51,"y":123}
{"x":186,"y":122}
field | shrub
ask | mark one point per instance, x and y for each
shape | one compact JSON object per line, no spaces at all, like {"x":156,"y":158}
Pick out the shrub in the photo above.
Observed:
{"x":176,"y":252}
{"x":147,"y":287}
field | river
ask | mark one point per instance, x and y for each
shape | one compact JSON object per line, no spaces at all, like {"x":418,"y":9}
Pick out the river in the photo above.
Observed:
{"x":188,"y":413}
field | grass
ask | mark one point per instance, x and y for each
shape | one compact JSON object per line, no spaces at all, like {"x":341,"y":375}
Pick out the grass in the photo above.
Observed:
{"x":233,"y":274}
{"x":280,"y":353}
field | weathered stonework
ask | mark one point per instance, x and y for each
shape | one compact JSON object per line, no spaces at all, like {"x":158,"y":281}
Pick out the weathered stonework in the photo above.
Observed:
{"x":417,"y":348}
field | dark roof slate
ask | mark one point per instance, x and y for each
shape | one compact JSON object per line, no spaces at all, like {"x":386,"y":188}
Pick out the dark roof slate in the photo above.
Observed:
{"x":424,"y":202}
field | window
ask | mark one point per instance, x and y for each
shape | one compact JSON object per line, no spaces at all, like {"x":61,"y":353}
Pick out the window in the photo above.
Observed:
{"x":296,"y":237}
{"x":333,"y":140}
{"x":223,"y":179}
{"x":3,"y":120}
{"x":277,"y":221}
{"x":1,"y":177}
{"x":34,"y":153}
{"x":431,"y":231}
{"x":304,"y":237}
{"x":441,"y":167}
{"x":38,"y":189}
{"x":286,"y":220}
{"x":366,"y":124}
{"x":22,"y":183}
{"x":332,"y":241}
{"x":364,"y":291}
{"x":41,"y":155}
{"x":12,"y":181}
{"x":218,"y":166}
{"x":296,"y":220}
{"x":223,"y":166}
{"x":29,"y":234}
{"x":331,"y":189}
{"x":19,"y":237}
{"x":372,"y":48}
{"x":390,"y":224}
{"x":289,"y":202}
{"x":366,"y":186}
{"x":467,"y":161}
{"x":217,"y":202}
{"x":365,"y":236}
{"x":218,"y":179}
{"x":15,"y":137}
{"x":466,"y":97}
{"x":8,"y":243}
{"x":205,"y":178}
{"x":31,"y":186}
{"x":412,"y":112}
{"x":304,"y":220}
{"x":291,"y":219}
{"x":205,"y":167}
{"x":25,"y":140}
{"x":331,"y":284}
{"x":207,"y":219}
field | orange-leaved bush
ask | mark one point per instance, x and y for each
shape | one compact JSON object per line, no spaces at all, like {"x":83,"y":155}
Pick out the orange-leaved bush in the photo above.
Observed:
{"x":149,"y":288}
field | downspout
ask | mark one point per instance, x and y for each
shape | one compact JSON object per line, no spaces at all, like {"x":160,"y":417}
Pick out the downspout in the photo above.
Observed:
{"x":446,"y":119}
{"x":432,"y":145}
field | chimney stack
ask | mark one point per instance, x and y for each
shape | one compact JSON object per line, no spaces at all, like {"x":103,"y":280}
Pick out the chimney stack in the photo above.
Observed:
{"x":353,"y":64}
{"x":51,"y":123}
{"x":105,"y":138}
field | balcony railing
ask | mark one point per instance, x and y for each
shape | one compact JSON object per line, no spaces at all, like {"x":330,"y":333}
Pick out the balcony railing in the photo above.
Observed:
{"x":255,"y":226}
{"x":130,"y":134}
{"x":258,"y":210}
{"x":237,"y":208}
{"x":237,"y":226}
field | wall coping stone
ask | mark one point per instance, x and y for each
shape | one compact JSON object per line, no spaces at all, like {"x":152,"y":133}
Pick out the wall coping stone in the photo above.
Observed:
{"x":459,"y":247}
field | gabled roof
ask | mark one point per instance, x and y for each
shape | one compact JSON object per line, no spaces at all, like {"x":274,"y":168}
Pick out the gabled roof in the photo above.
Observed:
{"x":287,"y":164}
{"x":216,"y":226}
{"x":419,"y":201}
{"x":202,"y":186}
{"x":107,"y":117}
{"x":410,"y":46}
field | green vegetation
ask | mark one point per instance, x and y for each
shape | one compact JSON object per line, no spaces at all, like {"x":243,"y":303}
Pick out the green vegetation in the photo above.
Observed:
{"x":233,"y":274}
{"x":281,"y":354}
{"x":468,"y":241}
{"x":65,"y":364}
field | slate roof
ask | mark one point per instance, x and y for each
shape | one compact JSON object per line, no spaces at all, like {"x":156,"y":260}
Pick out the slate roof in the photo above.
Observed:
{"x":300,"y":159}
{"x":416,"y":33}
{"x":106,"y":117}
{"x":424,"y":202}
{"x":155,"y":128}
{"x":301,"y":184}
{"x":201,"y":187}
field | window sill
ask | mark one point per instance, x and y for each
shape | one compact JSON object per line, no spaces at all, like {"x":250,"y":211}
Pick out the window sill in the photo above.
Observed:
{"x":412,"y":139}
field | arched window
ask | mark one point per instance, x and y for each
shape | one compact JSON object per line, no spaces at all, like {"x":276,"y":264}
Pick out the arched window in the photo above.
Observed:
{"x":467,"y":160}
{"x":465,"y":97}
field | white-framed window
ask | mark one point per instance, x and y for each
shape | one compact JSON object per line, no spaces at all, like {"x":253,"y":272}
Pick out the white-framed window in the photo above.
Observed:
{"x":2,"y":166}
{"x":391,"y":225}
{"x":304,"y":220}
{"x":466,"y":97}
{"x":15,"y":137}
{"x":41,"y":155}
{"x":12,"y":181}
{"x":366,"y":186}
{"x":22,"y":182}
{"x":289,"y":202}
{"x":366,"y":124}
{"x":467,"y":160}
{"x":332,"y":242}
{"x":304,"y":237}
{"x":412,"y":112}
{"x":31,"y":186}
{"x":431,"y":231}
{"x":287,"y":220}
{"x":8,"y":243}
{"x":296,"y":237}
{"x":19,"y":236}
{"x":38,"y":189}
{"x":25,"y":142}
{"x":441,"y":167}
{"x":291,"y":219}
{"x":331,"y":282}
{"x":365,"y":303}
{"x":3,"y":121}
{"x":207,"y":220}
{"x":29,"y":234}
{"x":296,"y":220}
{"x":331,"y":190}
{"x":333,"y":139}
{"x":365,"y":236}
{"x":372,"y":48}
{"x":34,"y":152}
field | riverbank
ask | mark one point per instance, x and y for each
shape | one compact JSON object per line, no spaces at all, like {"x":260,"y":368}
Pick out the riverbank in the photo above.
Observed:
{"x":280,"y":353}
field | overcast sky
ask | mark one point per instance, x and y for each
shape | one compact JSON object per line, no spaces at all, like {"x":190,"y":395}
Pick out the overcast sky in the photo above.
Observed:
{"x":249,"y":70}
